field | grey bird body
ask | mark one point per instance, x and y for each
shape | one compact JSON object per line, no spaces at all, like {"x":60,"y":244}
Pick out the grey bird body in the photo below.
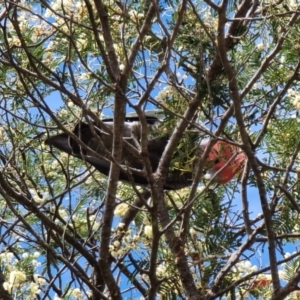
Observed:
{"x":99,"y":140}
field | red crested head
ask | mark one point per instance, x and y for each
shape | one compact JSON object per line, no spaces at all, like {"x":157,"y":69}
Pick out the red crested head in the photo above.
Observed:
{"x":224,"y":155}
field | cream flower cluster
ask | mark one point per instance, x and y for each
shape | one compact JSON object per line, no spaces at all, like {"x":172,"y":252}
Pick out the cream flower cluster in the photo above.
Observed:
{"x":17,"y":282}
{"x":121,"y":209}
{"x":26,"y":287}
{"x":295,"y":97}
{"x":164,"y":93}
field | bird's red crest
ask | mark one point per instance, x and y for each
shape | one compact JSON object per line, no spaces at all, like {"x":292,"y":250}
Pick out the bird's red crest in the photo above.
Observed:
{"x":229,"y":157}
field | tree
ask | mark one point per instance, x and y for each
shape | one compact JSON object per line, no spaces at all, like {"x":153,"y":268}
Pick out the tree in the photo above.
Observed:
{"x":67,"y":231}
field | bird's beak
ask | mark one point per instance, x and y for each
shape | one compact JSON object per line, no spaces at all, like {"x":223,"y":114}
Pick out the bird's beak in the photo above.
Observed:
{"x":210,"y":174}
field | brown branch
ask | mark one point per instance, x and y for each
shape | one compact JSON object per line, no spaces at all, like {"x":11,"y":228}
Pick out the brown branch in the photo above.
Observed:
{"x":137,"y":44}
{"x":290,"y":198}
{"x":105,"y":261}
{"x":242,"y":11}
{"x":97,"y":38}
{"x":212,"y":5}
{"x":108,"y":39}
{"x":118,"y":126}
{"x":245,"y":199}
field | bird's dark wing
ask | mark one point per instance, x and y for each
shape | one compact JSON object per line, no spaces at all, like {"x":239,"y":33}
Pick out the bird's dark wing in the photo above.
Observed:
{"x":151,"y":120}
{"x":100,"y":141}
{"x":61,"y":142}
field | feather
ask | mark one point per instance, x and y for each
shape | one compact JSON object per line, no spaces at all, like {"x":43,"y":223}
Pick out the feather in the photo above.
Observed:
{"x":99,"y":140}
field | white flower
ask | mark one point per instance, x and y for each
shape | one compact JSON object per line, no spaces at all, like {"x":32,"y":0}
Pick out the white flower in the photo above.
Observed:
{"x":121,"y":225}
{"x":121,"y":209}
{"x":14,"y":41}
{"x":34,"y":288}
{"x":260,"y":46}
{"x":16,"y":277}
{"x":296,"y":101}
{"x":291,"y":92}
{"x":76,"y":294}
{"x":148,"y":231}
{"x":6,"y":256}
{"x":63,"y":113}
{"x":133,"y":14}
{"x":193,"y":232}
{"x":81,"y":41}
{"x":39,"y":279}
{"x":200,"y":189}
{"x":122,"y":67}
{"x":293,"y":4}
{"x":161,"y":270}
{"x":7,"y":286}
{"x":117,"y":244}
{"x":84,"y":76}
{"x":36,"y":254}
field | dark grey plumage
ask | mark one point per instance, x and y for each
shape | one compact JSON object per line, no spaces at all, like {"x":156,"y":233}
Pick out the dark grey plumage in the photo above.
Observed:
{"x":101,"y":143}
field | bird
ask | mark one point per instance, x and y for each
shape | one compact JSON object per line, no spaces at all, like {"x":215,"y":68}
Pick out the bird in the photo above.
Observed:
{"x":224,"y":160}
{"x":227,"y":161}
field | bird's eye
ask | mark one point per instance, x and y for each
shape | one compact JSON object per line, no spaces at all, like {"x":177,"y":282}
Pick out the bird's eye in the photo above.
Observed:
{"x":216,"y":161}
